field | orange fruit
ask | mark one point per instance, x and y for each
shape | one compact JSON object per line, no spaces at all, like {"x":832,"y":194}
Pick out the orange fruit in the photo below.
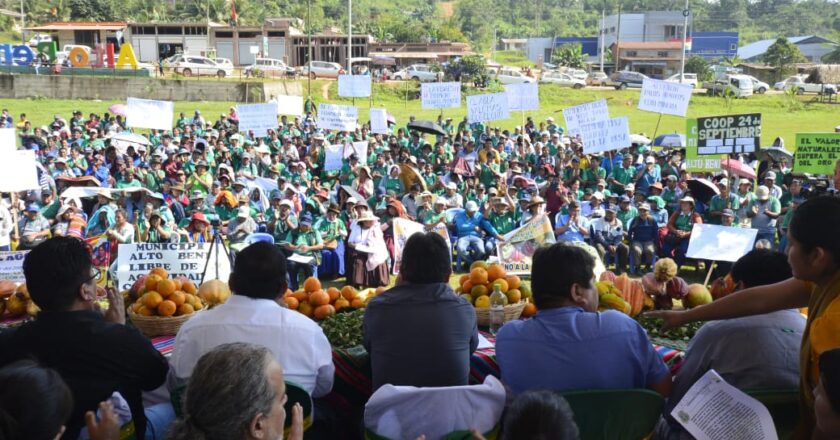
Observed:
{"x":185,"y":309}
{"x":311,"y":284}
{"x":514,"y":296}
{"x":167,"y":308}
{"x":305,"y":308}
{"x":159,"y":271}
{"x":291,"y":302}
{"x":144,"y":311}
{"x":166,"y":287}
{"x":178,"y":297}
{"x":503,"y":285}
{"x":529,"y":310}
{"x":151,"y":299}
{"x":481,"y":264}
{"x":334,"y":294}
{"x":495,"y":271}
{"x":152,"y":282}
{"x":319,"y":298}
{"x":478,"y":276}
{"x":526,"y":291}
{"x":349,"y":292}
{"x":322,"y":312}
{"x":188,"y":286}
{"x":357,"y":303}
{"x":380,"y":290}
{"x":300,"y":295}
{"x":463,"y":279}
{"x":479,"y":290}
{"x":513,"y":282}
{"x":341,"y":303}
{"x":467,"y":286}
{"x":178,"y":283}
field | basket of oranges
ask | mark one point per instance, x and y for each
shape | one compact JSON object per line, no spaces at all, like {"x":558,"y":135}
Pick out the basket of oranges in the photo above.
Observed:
{"x":477,"y":285}
{"x":164,"y":305}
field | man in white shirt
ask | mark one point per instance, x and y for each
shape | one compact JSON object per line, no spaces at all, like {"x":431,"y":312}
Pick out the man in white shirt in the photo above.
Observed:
{"x":252,"y":315}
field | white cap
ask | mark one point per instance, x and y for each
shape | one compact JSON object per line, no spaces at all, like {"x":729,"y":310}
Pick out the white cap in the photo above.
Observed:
{"x":471,"y":206}
{"x":650,"y":159}
{"x":762,"y":193}
{"x":244,"y":212}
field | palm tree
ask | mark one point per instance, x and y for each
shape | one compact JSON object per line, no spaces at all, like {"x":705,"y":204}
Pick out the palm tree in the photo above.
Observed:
{"x":832,"y":57}
{"x":732,"y":61}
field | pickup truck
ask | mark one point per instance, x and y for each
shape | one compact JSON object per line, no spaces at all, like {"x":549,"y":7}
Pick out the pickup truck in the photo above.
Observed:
{"x":740,"y":86}
{"x":798,"y":83}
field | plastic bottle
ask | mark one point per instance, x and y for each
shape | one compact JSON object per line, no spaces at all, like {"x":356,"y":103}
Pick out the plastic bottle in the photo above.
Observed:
{"x":497,"y":309}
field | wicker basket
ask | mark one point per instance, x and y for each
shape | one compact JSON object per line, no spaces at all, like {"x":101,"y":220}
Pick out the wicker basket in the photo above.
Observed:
{"x":153,"y":326}
{"x":512,"y":311}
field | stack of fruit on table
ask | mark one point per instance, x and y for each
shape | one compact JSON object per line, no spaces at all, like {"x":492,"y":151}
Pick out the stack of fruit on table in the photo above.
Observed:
{"x":315,"y":302}
{"x":15,"y":302}
{"x":477,"y":286}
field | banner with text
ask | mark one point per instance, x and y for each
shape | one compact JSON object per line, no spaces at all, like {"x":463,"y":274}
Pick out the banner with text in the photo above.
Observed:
{"x":440,"y":95}
{"x":523,"y":97}
{"x":379,"y":120}
{"x":337,"y":117}
{"x":406,"y":228}
{"x":11,"y":266}
{"x":516,"y":252}
{"x":590,"y":112}
{"x":333,"y":157}
{"x":608,"y":135}
{"x":360,"y":149}
{"x":693,"y":162}
{"x":729,"y":134}
{"x":257,"y":117}
{"x":179,"y":259}
{"x":289,"y":105}
{"x":148,"y":113}
{"x":19,"y":171}
{"x":665,"y":97}
{"x":488,"y":107}
{"x":354,"y":86}
{"x":816,"y":153}
{"x":720,"y":243}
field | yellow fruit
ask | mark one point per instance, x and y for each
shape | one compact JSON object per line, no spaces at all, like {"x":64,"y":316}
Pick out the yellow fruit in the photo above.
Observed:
{"x":214,"y":292}
{"x":481,"y":264}
{"x":526,"y":291}
{"x":312,"y":284}
{"x":185,"y":309}
{"x":178,"y":298}
{"x":467,"y":297}
{"x":480,"y":290}
{"x":151,"y":300}
{"x":166,"y":308}
{"x":31,"y":308}
{"x":341,"y":303}
{"x":514,"y":296}
{"x":23,"y":291}
{"x":482,"y":302}
{"x":305,"y":308}
{"x":698,"y":295}
{"x":612,"y":301}
{"x":495,"y":271}
{"x":503,"y":285}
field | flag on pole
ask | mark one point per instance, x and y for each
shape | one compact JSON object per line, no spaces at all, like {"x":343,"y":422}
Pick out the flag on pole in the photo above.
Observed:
{"x":234,"y":17}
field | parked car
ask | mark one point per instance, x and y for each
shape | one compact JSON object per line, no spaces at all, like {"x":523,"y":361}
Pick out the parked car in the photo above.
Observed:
{"x":688,"y":78}
{"x":224,"y":62}
{"x":39,"y":38}
{"x":194,"y":65}
{"x":322,"y":69}
{"x":418,"y":72}
{"x":625,"y":78}
{"x":65,"y":51}
{"x":269,"y":67}
{"x":577,"y":73}
{"x":562,"y":79}
{"x":597,"y":79}
{"x":737,"y":85}
{"x":758,"y":85}
{"x":798,"y":83}
{"x":510,"y":76}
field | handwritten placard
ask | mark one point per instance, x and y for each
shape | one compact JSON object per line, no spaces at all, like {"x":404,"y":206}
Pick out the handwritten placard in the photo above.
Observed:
{"x":333,"y":157}
{"x":337,"y":117}
{"x":378,"y":120}
{"x":816,"y":153}
{"x":258,"y":118}
{"x":360,"y":149}
{"x":608,"y":135}
{"x":693,"y":161}
{"x":11,"y":266}
{"x":523,"y":97}
{"x":488,"y":107}
{"x":354,"y":86}
{"x":440,"y":95}
{"x":19,"y":172}
{"x":148,"y":113}
{"x":665,"y":97}
{"x":720,"y":243}
{"x":289,"y":105}
{"x":594,"y":111}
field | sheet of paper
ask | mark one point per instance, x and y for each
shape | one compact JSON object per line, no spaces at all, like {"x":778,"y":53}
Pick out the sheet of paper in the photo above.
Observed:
{"x":713,"y":409}
{"x":298,"y":258}
{"x":365,"y":248}
{"x":483,"y":342}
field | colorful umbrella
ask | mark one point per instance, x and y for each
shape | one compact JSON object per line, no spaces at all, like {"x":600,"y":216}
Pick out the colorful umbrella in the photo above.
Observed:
{"x":118,"y":109}
{"x":738,"y":168}
{"x":672,"y":140}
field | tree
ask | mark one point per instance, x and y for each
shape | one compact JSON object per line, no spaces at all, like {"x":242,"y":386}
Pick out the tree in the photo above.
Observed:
{"x":832,"y":57}
{"x":700,"y":66}
{"x":732,"y":61}
{"x":569,"y":55}
{"x":468,"y":68}
{"x":782,"y":55}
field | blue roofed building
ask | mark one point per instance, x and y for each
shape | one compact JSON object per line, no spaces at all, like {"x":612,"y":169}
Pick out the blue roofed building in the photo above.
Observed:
{"x":714,"y":45}
{"x":812,"y":46}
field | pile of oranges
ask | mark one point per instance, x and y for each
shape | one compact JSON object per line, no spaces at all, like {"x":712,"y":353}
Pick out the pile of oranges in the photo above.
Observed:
{"x":317,"y":303}
{"x":163,"y":296}
{"x":478,"y":284}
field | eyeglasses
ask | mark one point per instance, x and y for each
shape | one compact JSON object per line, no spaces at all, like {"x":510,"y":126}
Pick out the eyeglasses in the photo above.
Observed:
{"x":95,"y":274}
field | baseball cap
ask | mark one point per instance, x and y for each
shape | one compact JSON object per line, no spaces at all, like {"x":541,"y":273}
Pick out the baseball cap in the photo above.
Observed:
{"x":723,"y":182}
{"x":306,"y":219}
{"x":650,"y":159}
{"x":770,"y":175}
{"x":471,"y":206}
{"x":32,"y":207}
{"x":244,"y":212}
{"x":762,"y":193}
{"x":624,"y":199}
{"x":644,"y":206}
{"x":728,"y":213}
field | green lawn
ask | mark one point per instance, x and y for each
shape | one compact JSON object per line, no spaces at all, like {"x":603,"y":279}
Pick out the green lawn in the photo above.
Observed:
{"x":514,"y":58}
{"x":782,"y":115}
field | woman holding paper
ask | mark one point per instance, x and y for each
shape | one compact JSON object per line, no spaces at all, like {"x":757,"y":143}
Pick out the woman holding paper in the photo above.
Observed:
{"x":366,"y":253}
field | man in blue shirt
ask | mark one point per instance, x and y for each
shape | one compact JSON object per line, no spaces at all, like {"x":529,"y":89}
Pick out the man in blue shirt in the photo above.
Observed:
{"x":569,"y":345}
{"x":468,"y":226}
{"x":573,"y":226}
{"x":647,"y":175}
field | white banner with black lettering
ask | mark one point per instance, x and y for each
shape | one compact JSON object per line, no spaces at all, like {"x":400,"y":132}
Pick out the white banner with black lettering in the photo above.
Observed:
{"x":608,"y":135}
{"x":523,"y":97}
{"x":179,"y":259}
{"x":337,"y":117}
{"x":590,"y":112}
{"x":11,"y":266}
{"x":488,"y":107}
{"x":665,"y":97}
{"x":258,"y":118}
{"x":440,"y":95}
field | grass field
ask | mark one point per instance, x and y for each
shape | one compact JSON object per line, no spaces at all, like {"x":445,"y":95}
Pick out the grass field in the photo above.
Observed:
{"x":782,"y":115}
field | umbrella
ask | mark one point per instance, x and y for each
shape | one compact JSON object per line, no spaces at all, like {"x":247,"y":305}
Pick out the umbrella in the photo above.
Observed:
{"x":738,"y":168}
{"x":461,"y":167}
{"x":391,"y":119}
{"x":118,"y":109}
{"x":127,"y":139}
{"x":702,"y":189}
{"x":638,"y":139}
{"x":410,"y":175}
{"x":426,"y":127}
{"x":673,"y":140}
{"x":774,"y":153}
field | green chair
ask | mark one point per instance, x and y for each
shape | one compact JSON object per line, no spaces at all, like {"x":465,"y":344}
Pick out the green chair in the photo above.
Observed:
{"x":615,"y":414}
{"x":296,"y":394}
{"x":783,"y":406}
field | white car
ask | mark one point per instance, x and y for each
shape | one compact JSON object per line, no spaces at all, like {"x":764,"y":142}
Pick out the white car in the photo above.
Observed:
{"x":798,"y":83}
{"x":194,"y":65}
{"x":269,"y":67}
{"x":224,"y":62}
{"x":39,"y":38}
{"x":758,"y":86}
{"x":511,"y":76}
{"x":597,"y":78}
{"x":322,"y":69}
{"x":688,"y":78}
{"x":563,"y":80}
{"x":418,"y":72}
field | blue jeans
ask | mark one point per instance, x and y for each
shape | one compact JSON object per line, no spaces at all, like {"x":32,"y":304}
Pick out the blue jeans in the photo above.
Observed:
{"x":158,"y":419}
{"x":679,"y":251}
{"x":490,"y":246}
{"x":469,"y":244}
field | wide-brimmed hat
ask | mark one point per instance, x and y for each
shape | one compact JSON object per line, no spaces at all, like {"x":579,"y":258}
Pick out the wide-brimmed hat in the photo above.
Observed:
{"x":367,"y":216}
{"x":536,"y":200}
{"x":199,"y":217}
{"x":762,"y":193}
{"x":687,"y":199}
{"x":105,"y":193}
{"x":334,"y":208}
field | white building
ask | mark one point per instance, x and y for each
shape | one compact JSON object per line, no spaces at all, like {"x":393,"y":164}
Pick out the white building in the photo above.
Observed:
{"x":651,"y":26}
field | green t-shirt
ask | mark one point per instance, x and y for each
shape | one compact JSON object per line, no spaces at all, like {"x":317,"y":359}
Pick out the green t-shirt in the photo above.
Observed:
{"x":503,"y":223}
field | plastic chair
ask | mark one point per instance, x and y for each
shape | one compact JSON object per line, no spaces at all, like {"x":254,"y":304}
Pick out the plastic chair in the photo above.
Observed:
{"x":783,"y":406}
{"x":296,"y":394}
{"x":615,"y":414}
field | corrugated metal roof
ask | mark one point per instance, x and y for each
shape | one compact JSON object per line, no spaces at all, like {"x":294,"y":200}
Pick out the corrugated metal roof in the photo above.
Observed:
{"x":80,"y":26}
{"x":757,"y":49}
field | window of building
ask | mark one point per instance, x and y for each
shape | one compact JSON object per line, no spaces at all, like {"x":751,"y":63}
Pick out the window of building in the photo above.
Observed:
{"x":195,"y":30}
{"x":630,"y":53}
{"x":276,"y":34}
{"x":662,"y":54}
{"x":733,"y":47}
{"x":224,"y":34}
{"x":249,"y":34}
{"x":85,"y":38}
{"x":673,"y":31}
{"x":170,"y":30}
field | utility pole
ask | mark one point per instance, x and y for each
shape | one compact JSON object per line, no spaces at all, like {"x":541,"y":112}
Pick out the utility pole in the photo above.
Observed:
{"x":617,"y":54}
{"x":349,"y":37}
{"x":22,"y":23}
{"x":309,"y":47}
{"x":493,"y":46}
{"x":602,"y":34}
{"x":686,"y":13}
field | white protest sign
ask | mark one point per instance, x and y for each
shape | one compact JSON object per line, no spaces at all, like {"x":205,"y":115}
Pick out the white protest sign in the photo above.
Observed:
{"x":665,"y":97}
{"x":359,"y":149}
{"x":354,"y":86}
{"x":713,"y":409}
{"x":720,"y":243}
{"x":8,"y":140}
{"x":19,"y":172}
{"x":333,"y":157}
{"x":523,"y":97}
{"x":488,"y":107}
{"x":179,"y":259}
{"x":378,"y":120}
{"x":608,"y":135}
{"x":594,"y":111}
{"x":11,"y":266}
{"x":289,"y":105}
{"x":257,"y":117}
{"x":440,"y":95}
{"x":148,"y":113}
{"x":337,"y":117}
